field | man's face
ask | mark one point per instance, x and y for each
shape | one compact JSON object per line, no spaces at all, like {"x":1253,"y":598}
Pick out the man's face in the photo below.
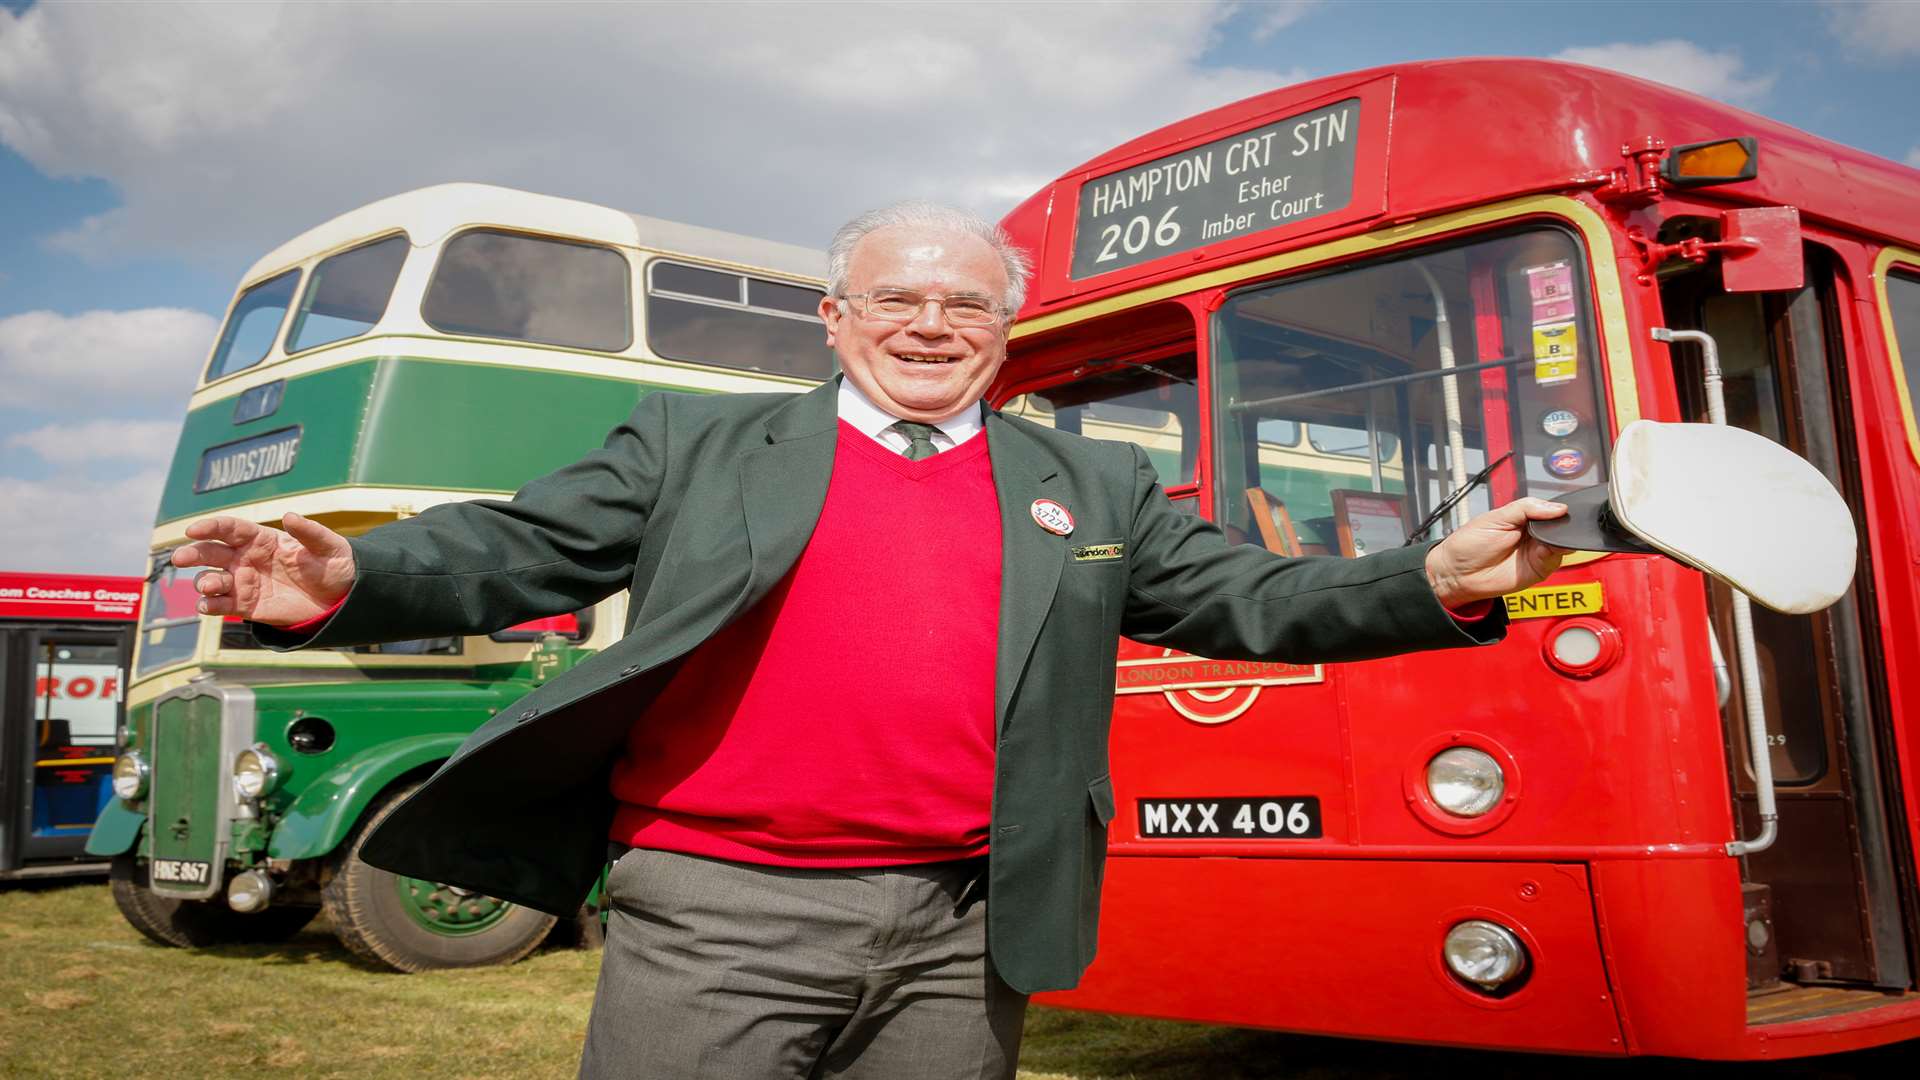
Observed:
{"x":925,"y":369}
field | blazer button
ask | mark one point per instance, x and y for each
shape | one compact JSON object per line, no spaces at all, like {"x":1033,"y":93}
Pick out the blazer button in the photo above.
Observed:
{"x":634,"y":670}
{"x":529,"y":714}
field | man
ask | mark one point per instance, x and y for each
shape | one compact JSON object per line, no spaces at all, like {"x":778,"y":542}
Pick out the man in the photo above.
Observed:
{"x":853,"y":746}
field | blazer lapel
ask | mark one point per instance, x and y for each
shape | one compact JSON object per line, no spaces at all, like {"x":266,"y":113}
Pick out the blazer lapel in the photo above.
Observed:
{"x":784,"y":484}
{"x":1031,"y":557}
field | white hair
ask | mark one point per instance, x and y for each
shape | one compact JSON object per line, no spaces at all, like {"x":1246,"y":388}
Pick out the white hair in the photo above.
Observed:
{"x":1018,"y":265}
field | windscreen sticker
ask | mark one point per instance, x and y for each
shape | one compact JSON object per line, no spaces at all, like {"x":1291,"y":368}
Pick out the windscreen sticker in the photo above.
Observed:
{"x":1556,"y":343}
{"x":1556,"y":354}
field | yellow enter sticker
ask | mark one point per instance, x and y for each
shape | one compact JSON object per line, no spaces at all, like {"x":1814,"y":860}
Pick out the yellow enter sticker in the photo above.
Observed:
{"x":1549,"y":600}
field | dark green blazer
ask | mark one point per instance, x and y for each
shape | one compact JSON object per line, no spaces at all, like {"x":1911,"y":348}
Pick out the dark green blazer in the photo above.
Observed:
{"x":700,"y":505}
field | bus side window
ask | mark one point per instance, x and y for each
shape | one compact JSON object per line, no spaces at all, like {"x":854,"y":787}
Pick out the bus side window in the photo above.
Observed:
{"x":255,"y":322}
{"x":709,"y":316}
{"x":492,"y":283}
{"x":347,"y":293}
{"x":1155,"y":406}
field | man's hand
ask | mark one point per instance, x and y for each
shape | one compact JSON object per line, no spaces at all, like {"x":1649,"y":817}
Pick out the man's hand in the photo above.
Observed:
{"x":263,"y":574}
{"x":1493,"y":554}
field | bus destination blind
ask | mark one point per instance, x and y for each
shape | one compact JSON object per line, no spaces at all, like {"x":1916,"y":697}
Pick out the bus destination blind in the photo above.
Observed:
{"x":1286,"y":172}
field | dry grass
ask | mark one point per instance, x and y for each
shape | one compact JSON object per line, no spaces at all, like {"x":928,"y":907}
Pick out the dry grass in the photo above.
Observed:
{"x":84,"y":995}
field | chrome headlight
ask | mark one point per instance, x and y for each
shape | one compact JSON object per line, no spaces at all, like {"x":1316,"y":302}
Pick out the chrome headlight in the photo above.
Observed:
{"x":1485,"y":954}
{"x":1465,"y":782}
{"x":255,"y":772}
{"x":130,"y":775}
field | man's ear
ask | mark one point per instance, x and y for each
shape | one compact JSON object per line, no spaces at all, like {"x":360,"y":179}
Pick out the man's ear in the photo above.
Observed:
{"x":832,"y":310}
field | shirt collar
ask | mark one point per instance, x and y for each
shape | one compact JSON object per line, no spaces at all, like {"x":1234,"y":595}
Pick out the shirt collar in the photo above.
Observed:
{"x":871,"y":420}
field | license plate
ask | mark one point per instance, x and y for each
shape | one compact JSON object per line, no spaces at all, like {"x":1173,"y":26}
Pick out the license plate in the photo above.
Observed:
{"x":180,"y":872}
{"x":248,"y":460}
{"x":1260,"y":817}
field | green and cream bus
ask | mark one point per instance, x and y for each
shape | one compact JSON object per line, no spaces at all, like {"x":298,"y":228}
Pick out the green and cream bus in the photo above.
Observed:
{"x":447,"y":343}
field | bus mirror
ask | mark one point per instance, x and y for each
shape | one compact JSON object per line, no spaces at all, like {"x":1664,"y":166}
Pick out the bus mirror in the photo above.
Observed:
{"x":1762,"y":249}
{"x":1724,"y":501}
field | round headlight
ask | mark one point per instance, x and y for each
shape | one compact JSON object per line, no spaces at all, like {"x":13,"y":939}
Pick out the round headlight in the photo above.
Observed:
{"x":249,"y":891}
{"x":1465,"y":782}
{"x":130,"y":775}
{"x":1484,"y":954}
{"x":255,"y":772}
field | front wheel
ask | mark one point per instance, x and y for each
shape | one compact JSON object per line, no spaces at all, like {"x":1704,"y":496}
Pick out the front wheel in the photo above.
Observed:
{"x":196,"y":924}
{"x":410,"y":924}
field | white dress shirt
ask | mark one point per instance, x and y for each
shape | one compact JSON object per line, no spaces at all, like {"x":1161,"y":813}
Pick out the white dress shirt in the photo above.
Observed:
{"x":876,"y":423}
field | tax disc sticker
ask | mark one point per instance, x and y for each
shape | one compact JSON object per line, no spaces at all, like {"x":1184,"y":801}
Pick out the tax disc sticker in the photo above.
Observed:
{"x":1052,"y":517}
{"x":1560,"y":423}
{"x":1567,"y":461}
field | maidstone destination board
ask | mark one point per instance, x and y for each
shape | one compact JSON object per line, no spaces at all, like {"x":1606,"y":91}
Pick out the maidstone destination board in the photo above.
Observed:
{"x":1271,"y":176}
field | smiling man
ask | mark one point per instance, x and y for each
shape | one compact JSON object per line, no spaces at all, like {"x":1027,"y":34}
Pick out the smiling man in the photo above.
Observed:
{"x":851,"y":755}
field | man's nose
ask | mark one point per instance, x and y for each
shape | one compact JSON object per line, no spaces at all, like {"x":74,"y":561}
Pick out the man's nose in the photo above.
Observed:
{"x":931,"y":321}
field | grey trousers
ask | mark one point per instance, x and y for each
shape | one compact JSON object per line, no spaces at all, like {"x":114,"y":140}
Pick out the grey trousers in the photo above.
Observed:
{"x":728,"y":971}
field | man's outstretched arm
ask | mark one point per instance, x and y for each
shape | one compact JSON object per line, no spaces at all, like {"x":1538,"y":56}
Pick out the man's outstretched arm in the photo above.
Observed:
{"x":562,"y":542}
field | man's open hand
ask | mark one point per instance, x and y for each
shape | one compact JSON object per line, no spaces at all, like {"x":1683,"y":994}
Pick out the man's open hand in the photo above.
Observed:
{"x":1493,"y":554}
{"x":263,"y":574}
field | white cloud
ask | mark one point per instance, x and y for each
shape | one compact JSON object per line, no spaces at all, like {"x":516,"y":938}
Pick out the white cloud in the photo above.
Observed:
{"x":75,"y":526}
{"x":229,"y":128}
{"x":1884,"y":27}
{"x":1276,"y":15}
{"x":1718,"y":75}
{"x":83,"y":363}
{"x":1913,"y":157}
{"x":144,"y":441}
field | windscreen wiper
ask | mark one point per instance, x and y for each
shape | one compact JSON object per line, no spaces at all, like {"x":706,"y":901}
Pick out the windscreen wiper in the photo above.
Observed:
{"x":1420,"y":531}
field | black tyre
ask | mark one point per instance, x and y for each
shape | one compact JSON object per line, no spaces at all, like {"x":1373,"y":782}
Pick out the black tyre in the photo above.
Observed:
{"x":410,"y":924}
{"x":197,"y":924}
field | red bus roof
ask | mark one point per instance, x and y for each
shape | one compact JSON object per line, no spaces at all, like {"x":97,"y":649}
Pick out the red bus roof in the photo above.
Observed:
{"x":89,"y":597}
{"x":1466,"y":132}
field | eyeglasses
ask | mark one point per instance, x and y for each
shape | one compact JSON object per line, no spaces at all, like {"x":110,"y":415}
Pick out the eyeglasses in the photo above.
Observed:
{"x":905,"y":305}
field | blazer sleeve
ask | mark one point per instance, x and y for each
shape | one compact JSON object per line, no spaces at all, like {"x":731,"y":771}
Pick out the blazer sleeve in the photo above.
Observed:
{"x":563,"y":542}
{"x":1189,"y":588}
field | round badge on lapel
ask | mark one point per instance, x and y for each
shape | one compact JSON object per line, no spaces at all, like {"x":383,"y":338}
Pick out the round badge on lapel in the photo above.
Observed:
{"x":1052,"y":517}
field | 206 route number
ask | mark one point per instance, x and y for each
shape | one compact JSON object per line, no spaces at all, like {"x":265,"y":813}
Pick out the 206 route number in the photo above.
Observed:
{"x":1269,"y":817}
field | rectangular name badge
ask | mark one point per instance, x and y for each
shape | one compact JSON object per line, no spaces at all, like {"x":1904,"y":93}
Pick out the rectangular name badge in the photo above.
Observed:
{"x":1098,"y":552}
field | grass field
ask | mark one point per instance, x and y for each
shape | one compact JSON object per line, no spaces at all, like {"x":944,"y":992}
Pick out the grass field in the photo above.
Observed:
{"x":84,"y":995}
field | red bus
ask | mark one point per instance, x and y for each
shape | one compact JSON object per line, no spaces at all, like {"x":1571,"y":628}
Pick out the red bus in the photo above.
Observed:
{"x":64,"y":644}
{"x":1329,"y":310}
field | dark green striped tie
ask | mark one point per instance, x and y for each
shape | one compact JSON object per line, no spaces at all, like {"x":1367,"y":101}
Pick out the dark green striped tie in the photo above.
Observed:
{"x":919,"y":439}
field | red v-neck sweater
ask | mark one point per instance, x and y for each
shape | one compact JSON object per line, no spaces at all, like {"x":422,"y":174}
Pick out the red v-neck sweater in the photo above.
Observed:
{"x":847,"y":719}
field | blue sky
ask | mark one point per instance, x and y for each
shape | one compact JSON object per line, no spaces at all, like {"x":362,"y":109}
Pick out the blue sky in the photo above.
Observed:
{"x":150,"y":152}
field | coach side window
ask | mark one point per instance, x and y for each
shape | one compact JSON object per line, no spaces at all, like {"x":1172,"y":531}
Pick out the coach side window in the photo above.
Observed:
{"x":708,"y":316}
{"x":255,"y":322}
{"x":347,"y":293}
{"x":497,"y":284}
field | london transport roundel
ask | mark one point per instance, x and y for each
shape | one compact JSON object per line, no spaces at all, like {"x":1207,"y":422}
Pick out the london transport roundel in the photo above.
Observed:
{"x":1052,"y":517}
{"x":1203,"y":690}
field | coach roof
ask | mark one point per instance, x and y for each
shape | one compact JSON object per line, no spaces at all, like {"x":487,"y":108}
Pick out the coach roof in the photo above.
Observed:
{"x":428,"y":214}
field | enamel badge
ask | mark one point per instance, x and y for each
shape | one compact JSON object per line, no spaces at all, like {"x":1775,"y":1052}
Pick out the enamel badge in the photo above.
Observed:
{"x":1052,"y":517}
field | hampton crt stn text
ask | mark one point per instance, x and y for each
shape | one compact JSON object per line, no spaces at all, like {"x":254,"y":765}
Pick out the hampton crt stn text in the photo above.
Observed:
{"x":1256,"y":152}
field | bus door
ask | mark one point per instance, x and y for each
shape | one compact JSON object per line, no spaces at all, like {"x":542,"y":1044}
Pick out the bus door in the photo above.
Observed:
{"x":1828,"y":882}
{"x":60,"y":700}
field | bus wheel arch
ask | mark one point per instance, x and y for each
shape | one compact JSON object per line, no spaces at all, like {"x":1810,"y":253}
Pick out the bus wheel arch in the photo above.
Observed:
{"x":412,"y":925}
{"x":326,"y":816}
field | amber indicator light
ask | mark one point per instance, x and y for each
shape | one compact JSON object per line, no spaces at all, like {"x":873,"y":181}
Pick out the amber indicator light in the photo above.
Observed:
{"x":1723,"y":161}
